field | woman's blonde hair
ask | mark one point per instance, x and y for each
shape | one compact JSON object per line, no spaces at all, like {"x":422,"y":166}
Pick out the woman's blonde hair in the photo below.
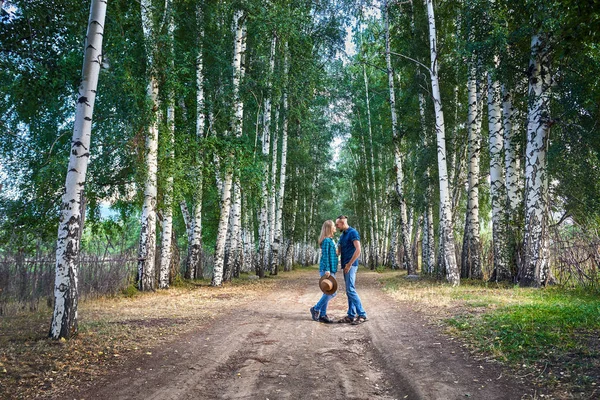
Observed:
{"x":327,"y":230}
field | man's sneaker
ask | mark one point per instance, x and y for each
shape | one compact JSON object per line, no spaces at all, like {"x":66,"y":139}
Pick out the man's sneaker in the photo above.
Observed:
{"x":325,"y":319}
{"x":315,"y":314}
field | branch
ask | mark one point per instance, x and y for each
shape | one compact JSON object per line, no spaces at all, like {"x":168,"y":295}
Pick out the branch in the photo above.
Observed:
{"x":413,"y":60}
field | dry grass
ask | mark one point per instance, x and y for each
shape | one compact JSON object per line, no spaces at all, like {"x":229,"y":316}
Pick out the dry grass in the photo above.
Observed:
{"x":111,"y":330}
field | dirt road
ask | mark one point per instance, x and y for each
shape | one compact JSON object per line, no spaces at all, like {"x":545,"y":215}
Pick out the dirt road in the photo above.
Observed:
{"x":272,"y":349}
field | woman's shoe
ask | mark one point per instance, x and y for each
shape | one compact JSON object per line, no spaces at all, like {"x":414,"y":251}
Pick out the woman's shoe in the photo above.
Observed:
{"x":315,"y":314}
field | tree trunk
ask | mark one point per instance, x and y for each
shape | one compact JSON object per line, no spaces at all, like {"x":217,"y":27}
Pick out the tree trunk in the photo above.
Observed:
{"x":235,"y":248}
{"x":167,"y":226}
{"x":264,"y":231}
{"x":194,"y":261}
{"x":403,"y":221}
{"x":536,"y":264}
{"x":497,"y":189}
{"x":471,"y":254}
{"x":447,"y":237}
{"x":64,"y":317}
{"x":513,"y":181}
{"x":278,"y":239}
{"x":147,"y":249}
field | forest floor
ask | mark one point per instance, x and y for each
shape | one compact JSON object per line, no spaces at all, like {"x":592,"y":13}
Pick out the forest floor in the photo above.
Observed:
{"x":254,"y":340}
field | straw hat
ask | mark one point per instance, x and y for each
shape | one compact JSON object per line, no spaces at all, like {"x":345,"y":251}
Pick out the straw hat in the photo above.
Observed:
{"x":328,"y":284}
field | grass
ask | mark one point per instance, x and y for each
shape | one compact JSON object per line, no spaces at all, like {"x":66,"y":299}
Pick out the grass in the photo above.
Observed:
{"x":551,"y":334}
{"x":111,"y":330}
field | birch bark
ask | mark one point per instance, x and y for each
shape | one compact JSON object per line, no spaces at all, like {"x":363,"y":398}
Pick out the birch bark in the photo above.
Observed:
{"x":167,"y":227}
{"x":407,"y":259}
{"x":278,"y":239}
{"x":513,"y":180}
{"x":238,"y":30}
{"x":194,"y":260}
{"x":239,"y":71}
{"x":64,"y":316}
{"x":497,"y":188}
{"x":147,"y":248}
{"x":264,"y":232}
{"x":447,"y":237}
{"x":471,"y":255}
{"x":535,"y":271}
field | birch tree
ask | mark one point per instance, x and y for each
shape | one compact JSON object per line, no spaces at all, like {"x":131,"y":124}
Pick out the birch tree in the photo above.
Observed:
{"x":64,"y":317}
{"x":447,"y":236}
{"x":147,"y":248}
{"x":404,"y":235}
{"x":238,"y":30}
{"x":264,"y":230}
{"x":497,"y":188}
{"x":535,"y":270}
{"x":239,"y":71}
{"x":194,"y":260}
{"x":278,"y":237}
{"x":167,"y":226}
{"x":471,"y":254}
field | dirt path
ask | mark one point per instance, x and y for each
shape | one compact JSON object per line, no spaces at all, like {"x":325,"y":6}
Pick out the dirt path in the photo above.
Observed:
{"x":272,"y":349}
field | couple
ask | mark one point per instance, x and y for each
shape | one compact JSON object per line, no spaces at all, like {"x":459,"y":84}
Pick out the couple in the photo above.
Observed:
{"x":349,"y":249}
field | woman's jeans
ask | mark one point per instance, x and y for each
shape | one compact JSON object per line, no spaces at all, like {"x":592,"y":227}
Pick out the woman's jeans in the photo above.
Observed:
{"x":322,"y":304}
{"x":355,"y":307}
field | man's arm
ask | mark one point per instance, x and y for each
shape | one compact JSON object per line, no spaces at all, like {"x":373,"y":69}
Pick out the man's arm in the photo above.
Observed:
{"x":354,"y":256}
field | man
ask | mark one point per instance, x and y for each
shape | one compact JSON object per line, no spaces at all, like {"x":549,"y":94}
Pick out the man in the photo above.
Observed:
{"x":349,"y":249}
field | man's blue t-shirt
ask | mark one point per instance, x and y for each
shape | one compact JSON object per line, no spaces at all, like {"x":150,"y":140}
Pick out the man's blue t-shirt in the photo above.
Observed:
{"x":346,"y":244}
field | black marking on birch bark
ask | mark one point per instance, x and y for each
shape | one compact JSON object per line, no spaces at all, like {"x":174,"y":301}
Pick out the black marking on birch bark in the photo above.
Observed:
{"x":79,"y":143}
{"x":82,"y":99}
{"x":87,"y":118}
{"x":84,"y":155}
{"x":97,"y":23}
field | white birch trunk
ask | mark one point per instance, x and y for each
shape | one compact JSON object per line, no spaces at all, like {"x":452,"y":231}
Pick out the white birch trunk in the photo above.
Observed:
{"x":511,"y":154}
{"x":272,"y":196}
{"x":403,"y":222}
{"x":217,"y":278}
{"x":167,"y":226}
{"x":147,"y":249}
{"x":194,"y":260}
{"x":471,"y":254}
{"x":239,"y":70}
{"x":264,"y":239}
{"x":278,"y":239}
{"x":536,"y":264}
{"x":497,"y":189}
{"x":447,"y":238}
{"x":228,"y":178}
{"x":64,"y":316}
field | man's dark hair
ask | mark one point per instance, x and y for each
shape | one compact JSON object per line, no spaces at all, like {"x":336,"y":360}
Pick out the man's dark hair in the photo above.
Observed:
{"x":342,"y":217}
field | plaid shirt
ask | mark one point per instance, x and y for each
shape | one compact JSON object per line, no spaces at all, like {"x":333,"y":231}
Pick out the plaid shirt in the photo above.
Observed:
{"x":329,"y":260}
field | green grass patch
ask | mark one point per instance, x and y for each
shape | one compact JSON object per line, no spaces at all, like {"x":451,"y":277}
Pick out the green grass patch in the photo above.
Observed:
{"x":551,"y":331}
{"x":549,"y":323}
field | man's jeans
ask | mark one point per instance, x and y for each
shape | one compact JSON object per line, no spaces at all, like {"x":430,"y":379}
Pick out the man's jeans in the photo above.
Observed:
{"x":322,"y":304}
{"x":355,"y":307}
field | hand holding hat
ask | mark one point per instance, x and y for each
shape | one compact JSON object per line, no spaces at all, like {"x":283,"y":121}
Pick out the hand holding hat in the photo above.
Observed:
{"x":328,"y":284}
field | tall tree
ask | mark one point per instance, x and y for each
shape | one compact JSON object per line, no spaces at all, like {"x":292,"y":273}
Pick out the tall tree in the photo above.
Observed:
{"x":536,"y":268}
{"x":404,"y":235}
{"x":64,"y":317}
{"x":447,"y":236}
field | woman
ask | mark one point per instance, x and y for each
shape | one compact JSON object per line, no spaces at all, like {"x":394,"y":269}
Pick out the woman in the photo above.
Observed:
{"x":327,"y":267}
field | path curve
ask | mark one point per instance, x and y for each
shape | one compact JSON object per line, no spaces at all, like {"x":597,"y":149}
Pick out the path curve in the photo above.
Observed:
{"x":272,"y":349}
